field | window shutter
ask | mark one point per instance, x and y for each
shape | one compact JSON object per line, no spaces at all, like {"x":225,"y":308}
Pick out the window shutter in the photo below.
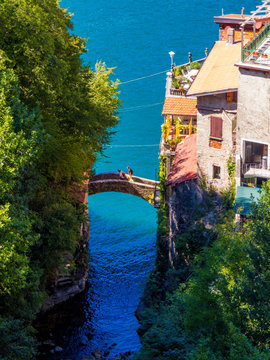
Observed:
{"x":229,"y":97}
{"x":216,"y":127}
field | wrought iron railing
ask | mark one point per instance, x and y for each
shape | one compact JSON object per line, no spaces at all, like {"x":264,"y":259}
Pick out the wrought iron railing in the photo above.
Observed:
{"x":253,"y":44}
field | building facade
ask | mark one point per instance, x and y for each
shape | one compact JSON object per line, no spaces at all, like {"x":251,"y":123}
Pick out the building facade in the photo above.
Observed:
{"x":216,"y":88}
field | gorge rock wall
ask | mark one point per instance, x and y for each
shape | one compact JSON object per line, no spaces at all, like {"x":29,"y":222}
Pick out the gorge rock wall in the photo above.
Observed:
{"x":72,"y":282}
{"x":183,"y":202}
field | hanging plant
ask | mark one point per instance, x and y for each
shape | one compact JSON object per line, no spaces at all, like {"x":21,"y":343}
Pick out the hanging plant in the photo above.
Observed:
{"x":164,"y":131}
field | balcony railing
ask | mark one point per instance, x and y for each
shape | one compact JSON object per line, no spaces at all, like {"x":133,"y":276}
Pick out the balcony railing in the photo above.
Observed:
{"x":253,"y":45}
{"x":177,"y":92}
{"x":187,"y":131}
{"x":249,"y":166}
{"x":256,"y":170}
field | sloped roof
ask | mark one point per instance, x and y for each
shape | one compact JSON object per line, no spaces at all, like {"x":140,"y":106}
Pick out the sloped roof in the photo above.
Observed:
{"x":179,"y":106}
{"x":218,"y":72}
{"x":184,"y":166}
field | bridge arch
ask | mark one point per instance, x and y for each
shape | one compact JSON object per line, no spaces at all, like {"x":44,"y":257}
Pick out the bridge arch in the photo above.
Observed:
{"x":144,"y":188}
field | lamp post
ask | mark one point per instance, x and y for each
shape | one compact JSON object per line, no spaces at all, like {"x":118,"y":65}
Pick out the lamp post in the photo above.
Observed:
{"x":171,"y":53}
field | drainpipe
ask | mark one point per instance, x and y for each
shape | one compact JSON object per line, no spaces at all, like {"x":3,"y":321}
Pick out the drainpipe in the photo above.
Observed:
{"x":242,"y":42}
{"x":254,"y":28}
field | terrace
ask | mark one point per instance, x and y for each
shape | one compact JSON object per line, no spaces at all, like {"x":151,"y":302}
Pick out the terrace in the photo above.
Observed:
{"x":181,"y":77}
{"x":180,"y":121}
{"x":179,"y":111}
{"x":257,"y":50}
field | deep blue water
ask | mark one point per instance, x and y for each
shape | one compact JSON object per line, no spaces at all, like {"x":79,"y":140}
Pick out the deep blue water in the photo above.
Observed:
{"x":135,"y":38}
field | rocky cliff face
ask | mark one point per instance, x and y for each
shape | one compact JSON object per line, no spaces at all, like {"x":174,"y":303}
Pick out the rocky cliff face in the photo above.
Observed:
{"x":72,"y":282}
{"x":65,"y":288}
{"x":183,"y":202}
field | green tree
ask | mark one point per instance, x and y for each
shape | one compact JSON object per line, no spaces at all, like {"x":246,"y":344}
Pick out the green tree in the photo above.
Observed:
{"x":20,"y":144}
{"x":78,"y":105}
{"x":55,"y":117}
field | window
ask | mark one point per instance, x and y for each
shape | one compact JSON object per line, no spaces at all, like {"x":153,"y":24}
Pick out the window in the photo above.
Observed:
{"x":216,"y":127}
{"x":216,"y":172}
{"x":231,"y":96}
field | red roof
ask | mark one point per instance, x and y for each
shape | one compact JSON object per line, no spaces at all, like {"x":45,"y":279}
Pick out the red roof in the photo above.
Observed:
{"x":179,"y":106}
{"x":236,"y":16}
{"x":184,"y":166}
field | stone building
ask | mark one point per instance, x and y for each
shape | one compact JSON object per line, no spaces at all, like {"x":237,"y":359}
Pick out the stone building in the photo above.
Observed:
{"x":216,"y":88}
{"x":253,"y":113}
{"x":235,"y":21}
{"x":225,"y":126}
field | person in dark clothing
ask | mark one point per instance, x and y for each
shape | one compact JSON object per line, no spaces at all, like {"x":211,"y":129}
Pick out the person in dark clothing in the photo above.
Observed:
{"x":122,"y":175}
{"x":130,"y":173}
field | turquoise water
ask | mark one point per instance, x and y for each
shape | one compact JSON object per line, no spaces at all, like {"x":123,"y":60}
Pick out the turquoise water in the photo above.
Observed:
{"x":135,"y":38}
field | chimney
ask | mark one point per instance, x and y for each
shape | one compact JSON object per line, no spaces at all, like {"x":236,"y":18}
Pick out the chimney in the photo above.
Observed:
{"x":230,"y":34}
{"x":242,"y":12}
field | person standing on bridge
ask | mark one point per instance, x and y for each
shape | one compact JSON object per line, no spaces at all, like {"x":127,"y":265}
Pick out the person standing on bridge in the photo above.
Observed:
{"x":130,"y":173}
{"x":122,"y":175}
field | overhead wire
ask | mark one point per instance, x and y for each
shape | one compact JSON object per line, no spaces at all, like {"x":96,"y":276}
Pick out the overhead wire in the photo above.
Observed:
{"x":139,"y":107}
{"x":128,"y":146}
{"x":143,"y":77}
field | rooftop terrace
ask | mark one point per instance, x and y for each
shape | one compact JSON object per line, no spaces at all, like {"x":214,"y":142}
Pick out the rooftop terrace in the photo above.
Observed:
{"x":257,"y":51}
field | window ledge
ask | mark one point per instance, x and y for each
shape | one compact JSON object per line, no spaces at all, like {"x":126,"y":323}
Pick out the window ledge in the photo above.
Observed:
{"x":214,"y":138}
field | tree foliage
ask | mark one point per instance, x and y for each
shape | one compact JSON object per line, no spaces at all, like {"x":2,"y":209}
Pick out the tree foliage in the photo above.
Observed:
{"x":222,"y":312}
{"x":56,"y":115}
{"x":78,"y":105}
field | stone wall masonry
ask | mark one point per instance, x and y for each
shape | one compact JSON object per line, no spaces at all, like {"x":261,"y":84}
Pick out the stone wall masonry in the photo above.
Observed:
{"x":218,"y":101}
{"x":115,"y":176}
{"x":106,"y":182}
{"x":253,"y":114}
{"x":212,"y":152}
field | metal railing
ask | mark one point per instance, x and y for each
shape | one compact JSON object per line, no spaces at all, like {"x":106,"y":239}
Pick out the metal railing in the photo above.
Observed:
{"x":177,"y":92}
{"x":250,"y":166}
{"x":253,"y":44}
{"x":187,"y":131}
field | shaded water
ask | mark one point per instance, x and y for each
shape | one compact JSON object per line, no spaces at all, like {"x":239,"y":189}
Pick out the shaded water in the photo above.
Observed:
{"x":122,"y":251}
{"x":135,"y":37}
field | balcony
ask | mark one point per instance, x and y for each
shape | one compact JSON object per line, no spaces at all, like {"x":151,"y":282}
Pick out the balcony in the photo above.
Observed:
{"x":261,"y":170}
{"x":257,"y":51}
{"x":174,"y":134}
{"x":177,"y":92}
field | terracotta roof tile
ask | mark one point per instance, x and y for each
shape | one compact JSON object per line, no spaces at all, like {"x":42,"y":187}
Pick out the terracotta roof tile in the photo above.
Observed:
{"x":236,"y":16}
{"x":218,"y":72}
{"x":184,"y":166}
{"x":179,"y":106}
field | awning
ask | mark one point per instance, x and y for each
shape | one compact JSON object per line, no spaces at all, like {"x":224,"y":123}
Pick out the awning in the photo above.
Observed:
{"x":244,"y":197}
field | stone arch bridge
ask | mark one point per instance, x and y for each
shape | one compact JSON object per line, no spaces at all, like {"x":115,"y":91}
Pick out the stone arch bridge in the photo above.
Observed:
{"x":143,"y":188}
